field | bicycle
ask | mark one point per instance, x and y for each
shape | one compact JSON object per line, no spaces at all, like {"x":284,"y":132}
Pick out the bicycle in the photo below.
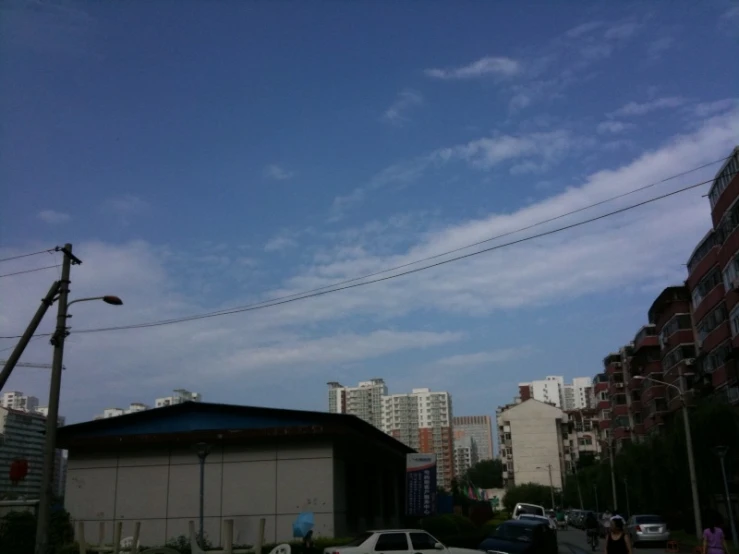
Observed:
{"x":593,"y":539}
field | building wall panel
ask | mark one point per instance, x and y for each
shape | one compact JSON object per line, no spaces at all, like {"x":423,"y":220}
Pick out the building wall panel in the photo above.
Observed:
{"x":184,"y":490}
{"x":249,"y":488}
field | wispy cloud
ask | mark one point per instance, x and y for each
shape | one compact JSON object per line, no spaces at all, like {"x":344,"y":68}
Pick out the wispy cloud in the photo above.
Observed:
{"x":584,"y":29}
{"x":707,"y":109}
{"x":53,"y":217}
{"x":484,"y":67}
{"x":657,"y":47}
{"x":484,"y":358}
{"x":125,"y":207}
{"x":406,"y":100}
{"x":622,"y":31}
{"x":613,"y":127}
{"x":636,"y":108}
{"x":277,"y":173}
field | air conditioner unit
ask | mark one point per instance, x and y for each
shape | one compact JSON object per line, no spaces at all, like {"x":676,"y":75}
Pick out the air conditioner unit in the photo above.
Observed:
{"x":619,"y":385}
{"x":690,"y":361}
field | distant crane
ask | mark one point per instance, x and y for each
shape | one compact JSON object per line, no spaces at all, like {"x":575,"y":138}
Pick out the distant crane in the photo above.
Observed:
{"x":29,"y":364}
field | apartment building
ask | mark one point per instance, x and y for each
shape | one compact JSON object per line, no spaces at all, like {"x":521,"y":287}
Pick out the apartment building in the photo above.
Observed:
{"x":580,"y":435}
{"x":422,"y":419}
{"x":22,"y":436}
{"x":178,"y":397}
{"x":553,"y":390}
{"x":363,"y":401}
{"x":16,"y":400}
{"x":480,"y":429}
{"x":465,"y":455}
{"x":532,"y":447}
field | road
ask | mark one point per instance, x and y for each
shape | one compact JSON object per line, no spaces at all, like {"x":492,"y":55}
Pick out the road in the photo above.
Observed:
{"x":573,"y":541}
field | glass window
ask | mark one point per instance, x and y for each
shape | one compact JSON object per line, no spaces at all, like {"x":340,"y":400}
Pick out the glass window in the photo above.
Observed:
{"x":423,"y":541}
{"x":711,"y":321}
{"x":734,"y":319}
{"x":359,"y":540}
{"x":392,"y":542}
{"x":724,"y":178}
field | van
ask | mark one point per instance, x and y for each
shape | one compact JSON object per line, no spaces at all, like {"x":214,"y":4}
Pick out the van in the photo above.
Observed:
{"x":530,"y":509}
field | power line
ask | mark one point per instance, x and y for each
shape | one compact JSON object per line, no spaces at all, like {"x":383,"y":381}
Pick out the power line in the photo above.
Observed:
{"x":275,"y":302}
{"x":30,"y":270}
{"x":27,"y":255}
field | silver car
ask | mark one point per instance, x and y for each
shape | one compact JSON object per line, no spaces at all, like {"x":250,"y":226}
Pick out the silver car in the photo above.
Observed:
{"x":647,"y":528}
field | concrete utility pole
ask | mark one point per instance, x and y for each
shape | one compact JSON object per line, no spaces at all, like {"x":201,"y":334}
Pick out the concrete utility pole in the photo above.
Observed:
{"x":721,"y":451}
{"x":52,"y":417}
{"x":47,"y":301}
{"x":579,"y":491}
{"x":691,"y":467}
{"x":613,"y":474}
{"x":628,"y":505}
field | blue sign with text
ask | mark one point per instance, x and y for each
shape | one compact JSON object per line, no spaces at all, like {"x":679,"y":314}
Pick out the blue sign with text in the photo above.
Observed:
{"x":420,"y":485}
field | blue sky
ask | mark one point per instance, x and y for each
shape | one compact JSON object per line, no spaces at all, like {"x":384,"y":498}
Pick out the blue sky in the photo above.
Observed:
{"x":204,"y":155}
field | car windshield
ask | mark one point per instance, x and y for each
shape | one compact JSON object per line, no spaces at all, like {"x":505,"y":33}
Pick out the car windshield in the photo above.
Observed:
{"x":523,"y":533}
{"x":531,"y":517}
{"x":359,"y":540}
{"x":529,"y":509}
{"x":648,"y":519}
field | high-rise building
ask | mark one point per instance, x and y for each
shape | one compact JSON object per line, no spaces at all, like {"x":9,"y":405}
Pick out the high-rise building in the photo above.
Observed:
{"x":363,"y":401}
{"x":21,"y":443}
{"x":422,"y":419}
{"x":115,"y":412}
{"x":480,"y":429}
{"x":553,"y":390}
{"x":18,"y":401}
{"x":465,"y":455}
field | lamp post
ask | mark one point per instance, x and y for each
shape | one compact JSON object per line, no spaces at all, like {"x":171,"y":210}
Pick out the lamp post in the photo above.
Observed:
{"x":689,"y":445}
{"x":52,"y":416}
{"x":551,"y":483}
{"x":203,"y":449}
{"x":721,"y":451}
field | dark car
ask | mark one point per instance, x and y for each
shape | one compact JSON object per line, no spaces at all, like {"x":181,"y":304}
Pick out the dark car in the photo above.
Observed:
{"x":521,"y":536}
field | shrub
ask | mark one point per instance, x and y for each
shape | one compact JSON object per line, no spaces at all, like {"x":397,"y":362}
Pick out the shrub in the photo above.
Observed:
{"x":18,"y":533}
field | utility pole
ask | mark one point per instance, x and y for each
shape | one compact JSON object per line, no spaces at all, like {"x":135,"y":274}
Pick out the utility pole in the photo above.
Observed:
{"x":52,"y":417}
{"x":613,"y":475}
{"x":721,"y":451}
{"x":595,"y":490}
{"x":47,"y":301}
{"x":628,"y":505}
{"x":579,"y":491}
{"x":691,"y":468}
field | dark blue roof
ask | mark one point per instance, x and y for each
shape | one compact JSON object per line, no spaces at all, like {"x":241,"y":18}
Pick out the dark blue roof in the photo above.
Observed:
{"x":205,"y":418}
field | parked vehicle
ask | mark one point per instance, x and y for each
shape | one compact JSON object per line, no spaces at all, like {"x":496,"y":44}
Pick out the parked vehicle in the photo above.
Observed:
{"x":647,"y":528}
{"x":400,"y":541}
{"x":545,"y":519}
{"x":532,"y":509}
{"x":521,"y":536}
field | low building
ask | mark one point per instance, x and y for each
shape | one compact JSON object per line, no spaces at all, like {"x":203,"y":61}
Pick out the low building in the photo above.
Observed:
{"x":263,"y":463}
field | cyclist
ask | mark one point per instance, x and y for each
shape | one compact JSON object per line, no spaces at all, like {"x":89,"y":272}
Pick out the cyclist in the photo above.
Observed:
{"x":592,"y":529}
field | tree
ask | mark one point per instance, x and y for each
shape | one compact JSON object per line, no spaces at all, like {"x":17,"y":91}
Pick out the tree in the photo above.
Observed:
{"x":530,"y":493}
{"x":487,"y":474}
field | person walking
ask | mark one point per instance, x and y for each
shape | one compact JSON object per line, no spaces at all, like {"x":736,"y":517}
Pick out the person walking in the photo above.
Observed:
{"x":714,"y":541}
{"x":617,"y":541}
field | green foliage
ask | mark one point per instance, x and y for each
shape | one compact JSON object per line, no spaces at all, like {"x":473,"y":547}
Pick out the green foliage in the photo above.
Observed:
{"x":319,"y":543}
{"x":487,"y":474}
{"x":182,"y":544}
{"x":531,"y":493}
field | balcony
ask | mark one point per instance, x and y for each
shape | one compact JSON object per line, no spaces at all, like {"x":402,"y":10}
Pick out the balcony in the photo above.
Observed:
{"x":604,"y":424}
{"x":620,"y":409}
{"x":614,"y":368}
{"x":616,"y":388}
{"x":652,"y":392}
{"x":671,"y":301}
{"x":646,"y":337}
{"x":604,"y":404}
{"x":638,"y":429}
{"x":704,"y":257}
{"x":725,"y":188}
{"x":636,"y":406}
{"x":620,"y":433}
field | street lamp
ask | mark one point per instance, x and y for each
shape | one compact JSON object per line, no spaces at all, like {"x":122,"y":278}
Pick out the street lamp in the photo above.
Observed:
{"x":52,"y":416}
{"x":551,"y":484}
{"x":721,"y":451}
{"x":202,"y":449}
{"x":689,"y":445}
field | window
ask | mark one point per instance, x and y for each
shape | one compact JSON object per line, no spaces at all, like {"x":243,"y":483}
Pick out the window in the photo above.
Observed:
{"x":392,"y":542}
{"x":711,"y":321}
{"x":423,"y":541}
{"x":676,"y":355}
{"x":716,"y":357}
{"x":706,"y":285}
{"x":701,"y":251}
{"x":734,"y":319}
{"x":359,"y":540}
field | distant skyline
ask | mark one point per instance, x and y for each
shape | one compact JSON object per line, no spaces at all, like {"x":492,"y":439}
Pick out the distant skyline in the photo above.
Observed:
{"x":207,"y":155}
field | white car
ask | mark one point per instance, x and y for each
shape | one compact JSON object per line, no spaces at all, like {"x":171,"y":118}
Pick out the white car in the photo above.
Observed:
{"x":552,"y":524}
{"x":400,"y":541}
{"x":531,"y":509}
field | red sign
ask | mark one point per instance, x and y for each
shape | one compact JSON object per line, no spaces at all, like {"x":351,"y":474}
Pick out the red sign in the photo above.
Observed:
{"x":18,"y":470}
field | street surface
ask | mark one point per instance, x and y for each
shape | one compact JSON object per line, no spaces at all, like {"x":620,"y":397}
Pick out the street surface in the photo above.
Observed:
{"x":573,"y":541}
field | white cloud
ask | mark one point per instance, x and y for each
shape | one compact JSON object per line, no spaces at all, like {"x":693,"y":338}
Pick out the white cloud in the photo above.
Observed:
{"x":613,"y":127}
{"x":635,"y":108}
{"x":280,"y":242}
{"x":277,"y":173}
{"x":706,"y":109}
{"x":519,"y":101}
{"x":406,"y":100}
{"x":53,"y":217}
{"x":491,"y":65}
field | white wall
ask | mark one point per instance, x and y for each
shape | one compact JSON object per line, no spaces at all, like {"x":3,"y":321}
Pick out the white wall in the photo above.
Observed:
{"x":161,"y":489}
{"x":535,"y":442}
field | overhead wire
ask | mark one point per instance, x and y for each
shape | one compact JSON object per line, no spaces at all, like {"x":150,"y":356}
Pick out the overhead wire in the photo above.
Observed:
{"x":30,"y":270}
{"x":273,"y":303}
{"x":19,"y":256}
